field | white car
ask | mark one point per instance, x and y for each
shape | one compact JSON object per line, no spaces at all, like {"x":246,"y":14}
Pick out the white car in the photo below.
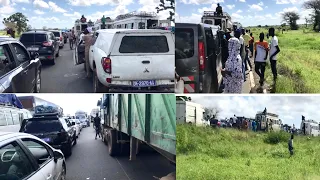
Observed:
{"x":24,"y":156}
{"x":132,"y":60}
{"x":77,"y":126}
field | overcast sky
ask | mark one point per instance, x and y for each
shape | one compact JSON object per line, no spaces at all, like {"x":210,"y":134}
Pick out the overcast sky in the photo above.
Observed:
{"x":289,"y":108}
{"x":247,"y":12}
{"x":70,"y":102}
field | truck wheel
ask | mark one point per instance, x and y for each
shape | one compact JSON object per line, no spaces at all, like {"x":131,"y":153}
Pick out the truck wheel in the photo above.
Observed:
{"x":113,"y":146}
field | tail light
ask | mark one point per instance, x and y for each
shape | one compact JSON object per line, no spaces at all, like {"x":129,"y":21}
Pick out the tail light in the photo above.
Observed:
{"x":63,"y":135}
{"x":106,"y":64}
{"x":60,"y":38}
{"x":47,"y":43}
{"x":201,"y":56}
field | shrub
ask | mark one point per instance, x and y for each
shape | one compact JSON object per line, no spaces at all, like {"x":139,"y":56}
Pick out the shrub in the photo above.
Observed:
{"x":276,"y":137}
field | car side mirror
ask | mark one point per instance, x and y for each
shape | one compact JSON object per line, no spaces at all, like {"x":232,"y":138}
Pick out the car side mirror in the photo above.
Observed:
{"x":57,"y":155}
{"x":34,"y":55}
{"x":73,"y":123}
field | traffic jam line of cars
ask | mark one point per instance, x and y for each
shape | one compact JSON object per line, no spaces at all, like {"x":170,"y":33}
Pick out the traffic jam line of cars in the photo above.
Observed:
{"x":38,"y":152}
{"x":20,"y":60}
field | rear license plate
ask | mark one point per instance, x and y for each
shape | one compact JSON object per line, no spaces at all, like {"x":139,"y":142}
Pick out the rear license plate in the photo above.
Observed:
{"x":46,"y":139}
{"x":32,"y":49}
{"x":144,"y":83}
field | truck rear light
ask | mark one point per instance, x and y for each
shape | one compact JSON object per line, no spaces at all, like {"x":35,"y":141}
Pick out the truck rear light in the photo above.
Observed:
{"x":60,"y":38}
{"x":106,"y":64}
{"x":108,"y":80}
{"x":201,"y":56}
{"x":47,"y":43}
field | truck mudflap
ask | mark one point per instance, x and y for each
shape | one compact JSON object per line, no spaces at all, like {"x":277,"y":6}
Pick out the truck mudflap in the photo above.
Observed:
{"x":189,"y":84}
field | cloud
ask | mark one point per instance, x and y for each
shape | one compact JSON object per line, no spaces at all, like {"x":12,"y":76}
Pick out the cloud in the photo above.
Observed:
{"x":99,"y":2}
{"x":38,"y":11}
{"x":7,"y":9}
{"x":201,"y":1}
{"x":239,"y":11}
{"x":23,"y":9}
{"x":21,"y":1}
{"x":289,"y":108}
{"x":231,"y":6}
{"x":56,"y":8}
{"x":242,"y":0}
{"x":4,"y":2}
{"x":255,"y":7}
{"x":40,"y":4}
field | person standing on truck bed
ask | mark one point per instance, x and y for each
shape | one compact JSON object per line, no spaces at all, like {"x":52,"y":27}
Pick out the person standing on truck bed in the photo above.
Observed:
{"x":97,"y":124}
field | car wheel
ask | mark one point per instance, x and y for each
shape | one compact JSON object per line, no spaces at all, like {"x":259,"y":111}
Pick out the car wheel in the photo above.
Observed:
{"x":53,"y":61}
{"x":68,"y":151}
{"x":58,"y":54}
{"x":37,"y":86}
{"x":97,"y":86}
{"x":63,"y":173}
{"x":75,"y":140}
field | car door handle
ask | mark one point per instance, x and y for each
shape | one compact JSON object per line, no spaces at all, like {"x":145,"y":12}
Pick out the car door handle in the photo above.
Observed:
{"x":49,"y":176}
{"x":145,"y":62}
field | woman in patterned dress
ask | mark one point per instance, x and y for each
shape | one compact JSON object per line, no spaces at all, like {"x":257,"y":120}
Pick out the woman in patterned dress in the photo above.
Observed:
{"x":233,"y":76}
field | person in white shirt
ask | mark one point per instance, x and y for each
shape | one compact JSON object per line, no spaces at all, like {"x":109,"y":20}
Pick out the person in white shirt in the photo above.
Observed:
{"x":274,"y":50}
{"x":260,"y":57}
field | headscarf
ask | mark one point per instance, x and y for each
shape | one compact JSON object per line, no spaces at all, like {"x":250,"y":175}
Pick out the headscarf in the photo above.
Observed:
{"x":234,"y":47}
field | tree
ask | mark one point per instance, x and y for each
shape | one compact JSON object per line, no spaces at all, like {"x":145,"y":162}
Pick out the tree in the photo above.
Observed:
{"x":211,"y":112}
{"x":315,"y":17}
{"x":171,"y":7}
{"x":291,"y":18}
{"x":259,"y":26}
{"x":283,"y":25}
{"x":19,"y":19}
{"x":29,"y":27}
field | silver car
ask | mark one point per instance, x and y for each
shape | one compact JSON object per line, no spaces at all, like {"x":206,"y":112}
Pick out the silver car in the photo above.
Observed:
{"x":59,"y":36}
{"x":24,"y":156}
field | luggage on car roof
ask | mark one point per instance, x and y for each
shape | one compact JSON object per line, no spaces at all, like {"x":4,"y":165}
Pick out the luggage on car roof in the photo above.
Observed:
{"x":10,"y":99}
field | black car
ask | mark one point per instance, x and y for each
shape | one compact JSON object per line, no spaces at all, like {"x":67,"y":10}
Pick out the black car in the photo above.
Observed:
{"x":198,"y":56}
{"x":43,"y":42}
{"x":56,"y":131}
{"x":20,"y":72}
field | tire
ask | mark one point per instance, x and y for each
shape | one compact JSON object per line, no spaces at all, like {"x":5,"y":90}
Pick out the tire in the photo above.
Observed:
{"x":64,"y":172}
{"x":53,"y":61}
{"x":97,"y":86}
{"x":68,"y":150}
{"x":58,"y":54}
{"x":37,"y":88}
{"x":75,"y":140}
{"x":113,"y":146}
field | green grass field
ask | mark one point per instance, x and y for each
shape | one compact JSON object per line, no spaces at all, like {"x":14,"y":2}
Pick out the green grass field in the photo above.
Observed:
{"x":298,"y":61}
{"x":227,"y":154}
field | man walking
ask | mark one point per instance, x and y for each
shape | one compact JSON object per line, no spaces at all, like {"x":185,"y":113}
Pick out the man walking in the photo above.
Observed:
{"x":247,"y":39}
{"x":97,"y":124}
{"x":290,"y":145}
{"x":274,"y":50}
{"x":260,"y":57}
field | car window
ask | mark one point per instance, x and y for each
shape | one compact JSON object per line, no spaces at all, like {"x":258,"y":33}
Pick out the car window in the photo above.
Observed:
{"x":144,"y":44}
{"x":210,"y":41}
{"x":56,"y":34}
{"x":184,"y":43}
{"x":14,"y":163}
{"x":42,"y":126}
{"x":9,"y":117}
{"x":40,"y":151}
{"x":5,"y":60}
{"x":21,"y":53}
{"x":15,"y":117}
{"x":94,"y":38}
{"x":33,"y":37}
{"x":3,"y":120}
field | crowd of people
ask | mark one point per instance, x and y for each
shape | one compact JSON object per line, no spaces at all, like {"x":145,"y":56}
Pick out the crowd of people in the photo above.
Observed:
{"x":238,"y":50}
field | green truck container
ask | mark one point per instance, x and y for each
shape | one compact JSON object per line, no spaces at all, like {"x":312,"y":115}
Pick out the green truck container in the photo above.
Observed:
{"x":132,"y":119}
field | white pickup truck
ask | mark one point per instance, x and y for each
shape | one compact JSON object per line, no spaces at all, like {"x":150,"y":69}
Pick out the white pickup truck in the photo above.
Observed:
{"x":132,"y":60}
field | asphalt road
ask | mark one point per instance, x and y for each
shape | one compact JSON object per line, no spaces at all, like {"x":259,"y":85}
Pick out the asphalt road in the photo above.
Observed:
{"x":64,"y":76}
{"x":90,"y":161}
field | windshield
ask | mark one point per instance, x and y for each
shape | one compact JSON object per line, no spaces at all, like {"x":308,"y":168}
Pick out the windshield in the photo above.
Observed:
{"x":33,"y":37}
{"x":56,"y":33}
{"x":81,"y":117}
{"x":43,"y":126}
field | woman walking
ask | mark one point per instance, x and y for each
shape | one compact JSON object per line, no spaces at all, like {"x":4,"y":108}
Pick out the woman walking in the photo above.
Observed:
{"x":233,"y":76}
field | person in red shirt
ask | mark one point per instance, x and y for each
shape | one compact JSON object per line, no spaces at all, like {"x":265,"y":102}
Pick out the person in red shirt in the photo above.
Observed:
{"x":251,"y":42}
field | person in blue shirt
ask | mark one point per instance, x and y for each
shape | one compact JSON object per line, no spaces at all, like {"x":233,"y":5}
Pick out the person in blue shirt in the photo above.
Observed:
{"x":254,"y":126}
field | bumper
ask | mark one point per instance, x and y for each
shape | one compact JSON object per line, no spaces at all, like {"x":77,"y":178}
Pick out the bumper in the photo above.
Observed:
{"x":168,"y":88}
{"x":46,"y":56}
{"x":62,"y":146}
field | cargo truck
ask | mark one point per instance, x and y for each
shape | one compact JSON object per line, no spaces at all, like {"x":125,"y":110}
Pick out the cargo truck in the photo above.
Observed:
{"x":30,"y":102}
{"x":134,"y":119}
{"x":191,"y":113}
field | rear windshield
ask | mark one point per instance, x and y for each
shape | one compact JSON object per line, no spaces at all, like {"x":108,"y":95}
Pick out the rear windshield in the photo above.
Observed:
{"x":184,"y":43}
{"x":144,"y":44}
{"x":33,"y":37}
{"x":43,"y":126}
{"x":56,"y":34}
